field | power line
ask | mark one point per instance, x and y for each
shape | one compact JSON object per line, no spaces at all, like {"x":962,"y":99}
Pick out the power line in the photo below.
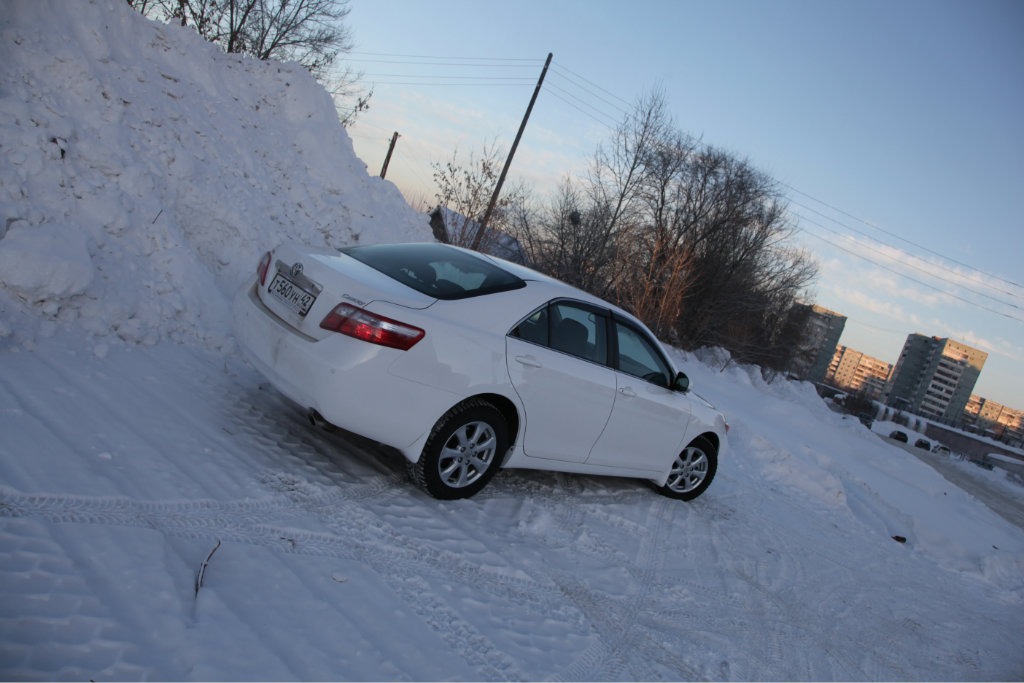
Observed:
{"x":563,"y":95}
{"x":559,"y":67}
{"x":452,"y":83}
{"x":913,"y":279}
{"x":459,"y":76}
{"x":857,"y":321}
{"x":459,"y":64}
{"x":426,"y":79}
{"x":590,"y":93}
{"x":908,"y":264}
{"x":520,"y":60}
{"x":902,"y":239}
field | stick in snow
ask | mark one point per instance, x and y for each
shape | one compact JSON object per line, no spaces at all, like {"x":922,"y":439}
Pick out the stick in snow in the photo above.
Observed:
{"x":202,"y":568}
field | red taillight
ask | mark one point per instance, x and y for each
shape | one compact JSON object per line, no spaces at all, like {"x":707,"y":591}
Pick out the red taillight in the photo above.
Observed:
{"x":376,"y":329}
{"x":263,"y":267}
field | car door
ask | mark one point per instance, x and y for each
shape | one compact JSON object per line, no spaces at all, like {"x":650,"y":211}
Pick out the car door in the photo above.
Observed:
{"x":648,"y":423}
{"x":557,"y":360}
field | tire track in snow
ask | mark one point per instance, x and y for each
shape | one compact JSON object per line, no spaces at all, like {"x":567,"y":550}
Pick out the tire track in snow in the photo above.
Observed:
{"x":357,"y":532}
{"x":623,"y":649}
{"x":404,"y":563}
{"x":768,"y":601}
{"x":53,"y":625}
{"x":663,"y":589}
{"x":629,"y":642}
{"x":331,"y":475}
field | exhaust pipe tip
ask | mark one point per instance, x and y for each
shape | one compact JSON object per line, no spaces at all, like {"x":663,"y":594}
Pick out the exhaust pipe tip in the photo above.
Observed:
{"x":315,"y":418}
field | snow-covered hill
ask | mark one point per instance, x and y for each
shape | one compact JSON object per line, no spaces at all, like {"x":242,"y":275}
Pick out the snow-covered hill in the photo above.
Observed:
{"x":142,"y":173}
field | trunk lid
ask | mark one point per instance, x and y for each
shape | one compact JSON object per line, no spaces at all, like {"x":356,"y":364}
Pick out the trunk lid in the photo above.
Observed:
{"x":304,"y":284}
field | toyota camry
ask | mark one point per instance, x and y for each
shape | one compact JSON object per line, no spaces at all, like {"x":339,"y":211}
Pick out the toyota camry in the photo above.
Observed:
{"x":468,"y":364}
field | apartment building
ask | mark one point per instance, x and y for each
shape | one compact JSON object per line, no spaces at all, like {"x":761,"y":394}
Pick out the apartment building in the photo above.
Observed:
{"x":821,"y":333}
{"x":934,"y":377}
{"x":855,"y":371}
{"x":988,"y":417}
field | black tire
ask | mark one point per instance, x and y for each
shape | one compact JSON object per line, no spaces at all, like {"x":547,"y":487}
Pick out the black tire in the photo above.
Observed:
{"x":463,"y":452}
{"x":692,"y":471}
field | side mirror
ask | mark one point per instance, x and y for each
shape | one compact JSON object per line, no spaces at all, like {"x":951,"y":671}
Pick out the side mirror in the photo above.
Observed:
{"x":681,"y":383}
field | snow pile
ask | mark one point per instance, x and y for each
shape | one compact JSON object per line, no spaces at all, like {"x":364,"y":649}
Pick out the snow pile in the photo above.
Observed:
{"x":831,"y":461}
{"x":136,"y":190}
{"x":142,"y":173}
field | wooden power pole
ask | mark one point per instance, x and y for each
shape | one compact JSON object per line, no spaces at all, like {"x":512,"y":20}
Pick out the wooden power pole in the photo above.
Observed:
{"x":508,"y":161}
{"x":387,"y":159}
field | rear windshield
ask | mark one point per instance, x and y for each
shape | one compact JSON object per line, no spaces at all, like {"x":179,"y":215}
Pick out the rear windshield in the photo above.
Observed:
{"x":436,"y":270}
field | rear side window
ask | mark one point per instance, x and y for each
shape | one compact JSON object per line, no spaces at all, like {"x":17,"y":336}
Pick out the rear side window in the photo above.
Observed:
{"x":570,"y":327}
{"x":535,"y":328}
{"x":437,"y":270}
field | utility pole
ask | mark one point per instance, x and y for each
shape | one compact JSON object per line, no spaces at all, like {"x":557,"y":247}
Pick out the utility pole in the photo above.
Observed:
{"x":387,"y":159}
{"x":508,"y":161}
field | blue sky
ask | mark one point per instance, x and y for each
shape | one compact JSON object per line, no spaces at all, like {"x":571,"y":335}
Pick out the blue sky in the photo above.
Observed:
{"x":895,"y":128}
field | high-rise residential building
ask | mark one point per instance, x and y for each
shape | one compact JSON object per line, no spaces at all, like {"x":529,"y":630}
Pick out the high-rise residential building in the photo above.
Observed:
{"x":855,"y":371}
{"x":989,"y":417}
{"x":934,"y":377}
{"x":818,"y":341}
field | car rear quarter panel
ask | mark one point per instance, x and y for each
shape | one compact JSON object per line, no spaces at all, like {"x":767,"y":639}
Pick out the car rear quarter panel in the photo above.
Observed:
{"x":463,"y":350}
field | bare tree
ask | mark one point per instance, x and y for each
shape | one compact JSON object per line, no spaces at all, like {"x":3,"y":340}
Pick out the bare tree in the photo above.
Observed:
{"x":744,"y":277}
{"x":656,"y":263}
{"x":618,"y":170}
{"x":466,"y":190}
{"x":350,"y":99}
{"x":309,"y":32}
{"x":569,"y":240}
{"x":690,"y":238}
{"x":579,"y":235}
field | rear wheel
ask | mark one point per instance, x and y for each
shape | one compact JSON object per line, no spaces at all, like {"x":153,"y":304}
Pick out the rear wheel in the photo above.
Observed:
{"x":692,"y":471}
{"x":463,"y":451}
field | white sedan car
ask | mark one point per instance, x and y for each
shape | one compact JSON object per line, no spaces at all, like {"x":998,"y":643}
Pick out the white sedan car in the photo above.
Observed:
{"x":467,"y":364}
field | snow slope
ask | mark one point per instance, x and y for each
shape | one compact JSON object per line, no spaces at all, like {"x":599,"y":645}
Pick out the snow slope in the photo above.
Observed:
{"x":141,"y":175}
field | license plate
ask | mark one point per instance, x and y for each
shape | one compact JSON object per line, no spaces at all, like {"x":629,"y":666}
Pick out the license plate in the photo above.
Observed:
{"x":295,"y":297}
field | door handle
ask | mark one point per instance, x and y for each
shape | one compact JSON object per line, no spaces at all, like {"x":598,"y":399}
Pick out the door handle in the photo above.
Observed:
{"x":627,"y":392}
{"x":529,"y":361}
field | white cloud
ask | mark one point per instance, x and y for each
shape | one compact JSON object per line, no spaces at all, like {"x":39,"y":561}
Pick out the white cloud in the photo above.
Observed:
{"x":929,"y":282}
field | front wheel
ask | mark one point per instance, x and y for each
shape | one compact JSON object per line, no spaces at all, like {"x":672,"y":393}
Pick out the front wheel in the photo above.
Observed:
{"x":463,"y":451}
{"x":692,"y":471}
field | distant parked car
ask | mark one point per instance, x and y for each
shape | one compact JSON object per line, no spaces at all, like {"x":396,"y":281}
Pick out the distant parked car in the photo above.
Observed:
{"x":939,"y":449}
{"x":898,"y":435}
{"x":923,"y":443}
{"x":467,"y":364}
{"x":866,"y":420}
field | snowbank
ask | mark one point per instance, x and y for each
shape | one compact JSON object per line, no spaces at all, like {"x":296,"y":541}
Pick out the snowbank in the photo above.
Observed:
{"x":136,"y":191}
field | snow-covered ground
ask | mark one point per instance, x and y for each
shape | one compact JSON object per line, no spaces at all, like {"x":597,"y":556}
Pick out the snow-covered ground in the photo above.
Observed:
{"x":142,"y":173}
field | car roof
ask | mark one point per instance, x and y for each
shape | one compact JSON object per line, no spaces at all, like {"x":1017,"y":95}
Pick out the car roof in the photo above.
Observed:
{"x":553,"y":287}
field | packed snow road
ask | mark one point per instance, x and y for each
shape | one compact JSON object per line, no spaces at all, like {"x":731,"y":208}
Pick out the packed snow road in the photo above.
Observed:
{"x":1009,"y":507}
{"x":123,"y":467}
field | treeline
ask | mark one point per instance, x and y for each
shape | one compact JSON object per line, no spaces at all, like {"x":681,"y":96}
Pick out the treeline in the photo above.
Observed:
{"x":691,"y":239}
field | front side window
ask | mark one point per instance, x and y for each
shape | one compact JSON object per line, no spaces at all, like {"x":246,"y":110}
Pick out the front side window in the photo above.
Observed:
{"x":637,"y":356}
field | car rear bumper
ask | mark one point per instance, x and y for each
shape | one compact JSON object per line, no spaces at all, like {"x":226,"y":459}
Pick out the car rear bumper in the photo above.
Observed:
{"x":344,"y":379}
